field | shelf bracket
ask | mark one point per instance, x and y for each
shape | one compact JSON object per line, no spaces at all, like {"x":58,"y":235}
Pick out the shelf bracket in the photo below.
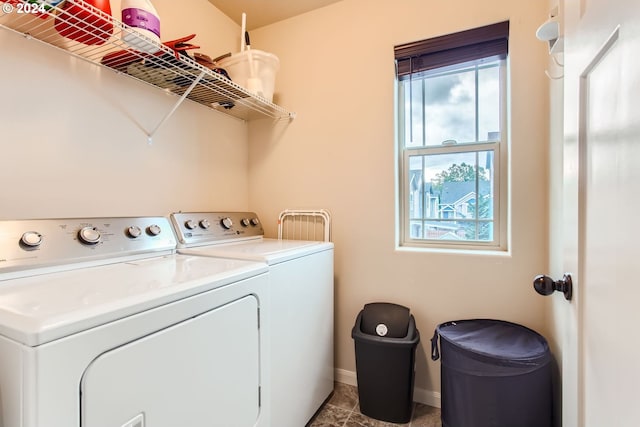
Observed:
{"x":175,"y":107}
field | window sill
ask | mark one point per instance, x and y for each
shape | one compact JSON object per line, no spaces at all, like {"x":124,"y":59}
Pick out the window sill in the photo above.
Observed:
{"x":497,"y":252}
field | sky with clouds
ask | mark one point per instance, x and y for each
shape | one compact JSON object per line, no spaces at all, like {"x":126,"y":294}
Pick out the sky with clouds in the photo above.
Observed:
{"x":443,"y":108}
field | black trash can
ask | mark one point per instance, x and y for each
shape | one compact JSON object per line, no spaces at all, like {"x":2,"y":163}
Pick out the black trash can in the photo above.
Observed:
{"x":494,"y":374}
{"x":385,"y":337}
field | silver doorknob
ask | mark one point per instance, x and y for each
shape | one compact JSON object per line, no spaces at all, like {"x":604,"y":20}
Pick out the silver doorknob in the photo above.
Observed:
{"x":545,"y":285}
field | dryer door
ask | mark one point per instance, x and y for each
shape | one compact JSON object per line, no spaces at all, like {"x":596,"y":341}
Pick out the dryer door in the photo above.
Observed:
{"x":201,"y":372}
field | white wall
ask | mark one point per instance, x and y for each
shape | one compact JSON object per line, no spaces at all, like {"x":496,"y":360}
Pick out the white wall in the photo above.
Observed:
{"x":556,"y":305}
{"x":337,"y":74}
{"x":72,"y":140}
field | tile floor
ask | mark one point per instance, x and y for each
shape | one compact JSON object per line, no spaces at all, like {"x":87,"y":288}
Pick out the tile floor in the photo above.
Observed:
{"x":342,"y":410}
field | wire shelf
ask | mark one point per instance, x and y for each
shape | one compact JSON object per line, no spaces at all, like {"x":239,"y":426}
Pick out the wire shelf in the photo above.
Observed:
{"x":98,"y":38}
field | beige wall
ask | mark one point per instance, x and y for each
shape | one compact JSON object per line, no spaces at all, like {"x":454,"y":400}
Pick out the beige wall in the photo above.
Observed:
{"x":337,"y":74}
{"x":72,"y":141}
{"x":72,"y":145}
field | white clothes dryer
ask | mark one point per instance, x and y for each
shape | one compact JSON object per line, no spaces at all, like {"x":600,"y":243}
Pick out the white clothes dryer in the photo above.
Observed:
{"x":301,"y":315}
{"x":102,"y":324}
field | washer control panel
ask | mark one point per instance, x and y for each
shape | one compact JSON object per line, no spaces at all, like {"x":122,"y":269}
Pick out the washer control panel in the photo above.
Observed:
{"x":200,"y":228}
{"x":31,"y":244}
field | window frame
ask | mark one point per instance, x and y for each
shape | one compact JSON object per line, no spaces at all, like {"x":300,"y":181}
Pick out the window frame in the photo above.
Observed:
{"x":407,"y":240}
{"x":500,"y":165}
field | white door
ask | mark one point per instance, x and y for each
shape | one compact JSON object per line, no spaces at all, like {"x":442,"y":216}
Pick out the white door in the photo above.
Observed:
{"x":602,"y":206}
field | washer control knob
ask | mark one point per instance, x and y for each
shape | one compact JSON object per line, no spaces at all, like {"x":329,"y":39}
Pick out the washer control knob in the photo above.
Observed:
{"x":190,"y":224}
{"x":153,"y":230}
{"x":89,"y":235}
{"x":226,"y":223}
{"x":31,"y":239}
{"x":134,"y":231}
{"x":204,"y":223}
{"x":255,"y":222}
{"x":245,"y":222}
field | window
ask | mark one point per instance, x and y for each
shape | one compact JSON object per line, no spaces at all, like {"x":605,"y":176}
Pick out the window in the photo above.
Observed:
{"x":452,"y":139}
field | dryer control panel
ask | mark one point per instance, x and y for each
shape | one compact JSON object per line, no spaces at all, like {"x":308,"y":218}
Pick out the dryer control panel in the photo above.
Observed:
{"x":58,"y":244}
{"x":206,"y":228}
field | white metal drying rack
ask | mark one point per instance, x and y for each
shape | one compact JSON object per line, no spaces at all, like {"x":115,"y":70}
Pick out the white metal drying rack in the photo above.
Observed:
{"x":165,"y":69}
{"x":304,"y":224}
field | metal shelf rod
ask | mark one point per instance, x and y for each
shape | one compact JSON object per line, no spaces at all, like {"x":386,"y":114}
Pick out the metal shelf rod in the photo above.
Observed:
{"x":175,"y":107}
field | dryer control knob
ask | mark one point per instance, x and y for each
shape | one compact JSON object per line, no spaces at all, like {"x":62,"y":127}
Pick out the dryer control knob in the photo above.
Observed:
{"x":255,"y":221}
{"x":89,"y":235}
{"x":134,"y":231}
{"x":204,"y":223}
{"x":190,"y":224}
{"x":154,"y":230}
{"x":31,"y":239}
{"x":245,"y":222}
{"x":226,"y":223}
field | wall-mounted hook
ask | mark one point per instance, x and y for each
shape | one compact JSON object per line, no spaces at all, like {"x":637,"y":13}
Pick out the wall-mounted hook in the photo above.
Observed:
{"x":558,"y":63}
{"x":545,"y":285}
{"x":561,"y":76}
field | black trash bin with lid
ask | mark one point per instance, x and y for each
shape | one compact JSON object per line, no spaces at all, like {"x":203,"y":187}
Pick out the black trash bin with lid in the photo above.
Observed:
{"x":385,"y":338}
{"x":494,"y":374}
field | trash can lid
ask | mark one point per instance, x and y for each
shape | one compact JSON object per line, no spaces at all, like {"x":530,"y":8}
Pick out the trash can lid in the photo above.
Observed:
{"x":385,"y":319}
{"x":496,"y":339}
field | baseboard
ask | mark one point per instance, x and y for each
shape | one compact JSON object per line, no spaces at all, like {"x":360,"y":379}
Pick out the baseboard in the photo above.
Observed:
{"x":345,"y":377}
{"x":420,"y":395}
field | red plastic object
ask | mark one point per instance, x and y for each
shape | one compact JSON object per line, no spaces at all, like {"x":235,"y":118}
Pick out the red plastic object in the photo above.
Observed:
{"x":77,"y":23}
{"x":121,"y":59}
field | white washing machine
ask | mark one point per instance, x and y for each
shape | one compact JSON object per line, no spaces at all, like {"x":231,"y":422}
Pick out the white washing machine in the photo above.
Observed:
{"x":301,"y":315}
{"x":102,"y":324}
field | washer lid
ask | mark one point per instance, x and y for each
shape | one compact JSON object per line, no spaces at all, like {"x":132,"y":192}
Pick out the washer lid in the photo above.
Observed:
{"x":38,"y":309}
{"x":271,"y":251}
